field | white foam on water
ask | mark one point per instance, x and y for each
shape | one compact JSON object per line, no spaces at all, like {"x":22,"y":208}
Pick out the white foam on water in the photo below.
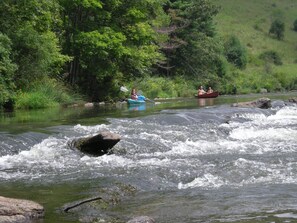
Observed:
{"x":283,"y":117}
{"x":189,"y":148}
{"x":263,"y":133}
{"x":90,"y":129}
{"x":290,"y":112}
{"x":154,"y":162}
{"x":242,"y":172}
{"x":42,"y":153}
{"x":255,"y":172}
{"x":206,"y":181}
{"x":154,"y":137}
{"x":42,"y":159}
{"x":286,"y":215}
{"x":114,"y":161}
{"x":106,"y":160}
{"x":271,"y":133}
{"x":220,"y":146}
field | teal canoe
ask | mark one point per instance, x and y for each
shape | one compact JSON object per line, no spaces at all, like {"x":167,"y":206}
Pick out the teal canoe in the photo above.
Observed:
{"x":135,"y":102}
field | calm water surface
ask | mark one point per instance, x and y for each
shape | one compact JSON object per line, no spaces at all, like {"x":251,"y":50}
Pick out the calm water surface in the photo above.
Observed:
{"x":191,"y":160}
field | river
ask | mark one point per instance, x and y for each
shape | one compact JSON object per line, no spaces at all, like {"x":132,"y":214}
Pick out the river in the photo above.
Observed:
{"x":190,"y":160}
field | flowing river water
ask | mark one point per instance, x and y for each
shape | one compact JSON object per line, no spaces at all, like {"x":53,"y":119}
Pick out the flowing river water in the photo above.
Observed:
{"x":190,"y":160}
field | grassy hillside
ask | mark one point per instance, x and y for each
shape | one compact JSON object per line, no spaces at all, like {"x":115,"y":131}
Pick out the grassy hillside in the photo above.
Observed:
{"x":250,"y":21}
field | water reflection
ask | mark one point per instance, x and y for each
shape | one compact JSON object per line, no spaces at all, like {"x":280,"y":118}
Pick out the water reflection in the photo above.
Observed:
{"x":140,"y":107}
{"x":202,"y":102}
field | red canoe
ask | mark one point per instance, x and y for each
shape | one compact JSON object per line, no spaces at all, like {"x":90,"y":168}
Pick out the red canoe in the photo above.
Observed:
{"x":210,"y":95}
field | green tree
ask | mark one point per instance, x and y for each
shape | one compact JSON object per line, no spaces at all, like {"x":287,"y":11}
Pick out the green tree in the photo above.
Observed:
{"x":7,"y":69}
{"x":277,"y":29}
{"x":43,"y":15}
{"x":35,"y":48}
{"x":235,"y":52}
{"x":191,"y":48}
{"x":110,"y":41}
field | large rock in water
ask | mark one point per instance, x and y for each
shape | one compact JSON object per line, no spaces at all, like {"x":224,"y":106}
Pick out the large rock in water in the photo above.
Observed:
{"x":97,"y":145}
{"x":259,"y":103}
{"x":19,"y":211}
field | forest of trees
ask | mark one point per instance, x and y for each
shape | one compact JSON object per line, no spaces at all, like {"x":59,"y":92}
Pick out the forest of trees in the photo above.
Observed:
{"x":95,"y":46}
{"x":92,"y":47}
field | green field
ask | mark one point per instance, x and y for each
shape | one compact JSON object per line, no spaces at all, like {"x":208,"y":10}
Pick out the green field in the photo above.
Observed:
{"x":250,"y":21}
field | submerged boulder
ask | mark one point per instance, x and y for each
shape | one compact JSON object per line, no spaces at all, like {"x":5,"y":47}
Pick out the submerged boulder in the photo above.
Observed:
{"x":97,"y":145}
{"x":278,"y":104}
{"x":259,"y":103}
{"x":19,"y":211}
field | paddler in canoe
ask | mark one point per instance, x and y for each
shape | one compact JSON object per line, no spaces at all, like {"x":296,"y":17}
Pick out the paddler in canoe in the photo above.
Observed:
{"x":209,"y":94}
{"x":201,"y":91}
{"x":209,"y":91}
{"x":136,"y":98}
{"x":134,"y":95}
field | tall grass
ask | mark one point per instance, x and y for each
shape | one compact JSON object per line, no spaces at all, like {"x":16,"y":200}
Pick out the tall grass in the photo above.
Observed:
{"x":34,"y":100}
{"x":45,"y":93}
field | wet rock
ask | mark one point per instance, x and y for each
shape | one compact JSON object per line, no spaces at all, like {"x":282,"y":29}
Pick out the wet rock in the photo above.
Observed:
{"x":259,"y":103}
{"x":89,"y":105}
{"x":19,"y":211}
{"x":278,"y":104}
{"x":97,"y":145}
{"x":142,"y":219}
{"x":73,"y":106}
{"x":293,"y":100}
{"x":263,"y":90}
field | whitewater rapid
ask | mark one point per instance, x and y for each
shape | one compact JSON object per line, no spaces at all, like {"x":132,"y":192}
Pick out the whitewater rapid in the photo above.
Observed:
{"x":207,"y":148}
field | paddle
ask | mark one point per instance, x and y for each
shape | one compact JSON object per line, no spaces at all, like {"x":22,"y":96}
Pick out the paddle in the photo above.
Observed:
{"x":146,"y":99}
{"x":152,"y":101}
{"x":123,"y":89}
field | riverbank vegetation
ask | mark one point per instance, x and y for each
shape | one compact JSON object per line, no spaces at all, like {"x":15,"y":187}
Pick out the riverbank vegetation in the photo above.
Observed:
{"x":60,"y":51}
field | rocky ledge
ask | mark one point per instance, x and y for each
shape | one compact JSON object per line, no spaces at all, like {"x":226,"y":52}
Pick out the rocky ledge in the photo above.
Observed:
{"x":263,"y":103}
{"x":19,"y":211}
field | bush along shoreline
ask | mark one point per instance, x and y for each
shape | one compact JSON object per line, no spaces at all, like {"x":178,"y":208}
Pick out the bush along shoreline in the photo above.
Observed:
{"x":52,"y":93}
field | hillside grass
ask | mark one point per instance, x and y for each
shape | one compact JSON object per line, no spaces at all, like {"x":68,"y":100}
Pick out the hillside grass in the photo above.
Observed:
{"x":250,"y":21}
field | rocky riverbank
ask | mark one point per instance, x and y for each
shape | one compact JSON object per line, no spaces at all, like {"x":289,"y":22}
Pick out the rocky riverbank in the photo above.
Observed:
{"x":19,"y":211}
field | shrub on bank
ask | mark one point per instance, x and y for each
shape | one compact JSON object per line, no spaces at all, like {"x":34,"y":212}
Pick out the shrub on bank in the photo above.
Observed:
{"x":34,"y":100}
{"x":45,"y":93}
{"x":254,"y":81}
{"x":163,"y":87}
{"x":235,"y":82}
{"x":272,"y":57}
{"x":53,"y":90}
